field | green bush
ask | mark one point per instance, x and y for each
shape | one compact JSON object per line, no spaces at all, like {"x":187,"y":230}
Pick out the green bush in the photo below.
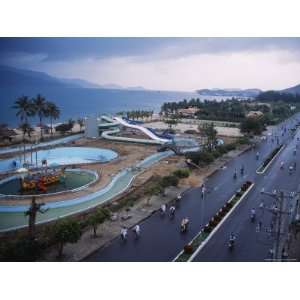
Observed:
{"x":169,"y":180}
{"x":230,"y":147}
{"x":24,"y":249}
{"x":243,"y":140}
{"x":182,"y":173}
{"x":216,"y":153}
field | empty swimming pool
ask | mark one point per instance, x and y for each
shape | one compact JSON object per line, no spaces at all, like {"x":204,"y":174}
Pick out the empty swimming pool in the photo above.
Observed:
{"x":60,"y":156}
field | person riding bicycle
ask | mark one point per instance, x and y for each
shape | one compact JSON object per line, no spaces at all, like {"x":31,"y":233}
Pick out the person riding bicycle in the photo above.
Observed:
{"x":257,"y":155}
{"x":242,"y":170}
{"x":232,"y":238}
{"x":184,"y":224}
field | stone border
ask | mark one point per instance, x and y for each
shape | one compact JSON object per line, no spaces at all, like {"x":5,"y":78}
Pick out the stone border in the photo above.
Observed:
{"x":270,"y":162}
{"x":211,"y":234}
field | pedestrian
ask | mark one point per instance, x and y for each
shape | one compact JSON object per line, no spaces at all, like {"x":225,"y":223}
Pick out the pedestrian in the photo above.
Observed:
{"x":163,"y":209}
{"x":124,"y":233}
{"x":259,"y":226}
{"x":262,"y":205}
{"x":137,"y":230}
{"x":284,"y":254}
{"x":172,"y":211}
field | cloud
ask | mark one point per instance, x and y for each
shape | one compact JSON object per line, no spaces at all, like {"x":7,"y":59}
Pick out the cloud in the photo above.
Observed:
{"x":163,"y":63}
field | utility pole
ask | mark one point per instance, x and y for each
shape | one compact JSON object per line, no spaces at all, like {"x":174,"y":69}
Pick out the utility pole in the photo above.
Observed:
{"x":278,"y":210}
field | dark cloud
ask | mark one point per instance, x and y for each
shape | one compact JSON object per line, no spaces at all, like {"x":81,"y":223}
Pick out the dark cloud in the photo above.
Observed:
{"x":62,"y":49}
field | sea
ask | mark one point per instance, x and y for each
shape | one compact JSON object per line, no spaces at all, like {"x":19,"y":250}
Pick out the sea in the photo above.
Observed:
{"x":81,"y":102}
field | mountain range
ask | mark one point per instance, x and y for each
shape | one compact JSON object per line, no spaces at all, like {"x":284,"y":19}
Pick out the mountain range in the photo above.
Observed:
{"x":293,"y":90}
{"x":230,"y":92}
{"x":12,"y":77}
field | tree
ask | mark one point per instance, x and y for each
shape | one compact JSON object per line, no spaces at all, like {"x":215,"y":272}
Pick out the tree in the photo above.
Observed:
{"x":80,"y":122}
{"x":53,"y":112}
{"x":40,"y":108}
{"x":24,"y":107}
{"x":63,"y":128}
{"x":26,"y":129}
{"x":210,"y":133}
{"x":97,"y":218}
{"x":66,"y":231}
{"x":171,"y":122}
{"x":252,"y":126}
{"x":31,"y":213}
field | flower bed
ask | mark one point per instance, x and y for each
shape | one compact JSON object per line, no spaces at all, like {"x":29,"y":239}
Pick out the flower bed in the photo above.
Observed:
{"x":268,"y":160}
{"x":195,"y":243}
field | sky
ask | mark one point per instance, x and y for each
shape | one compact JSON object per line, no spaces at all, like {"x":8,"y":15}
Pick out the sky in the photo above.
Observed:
{"x":180,"y":64}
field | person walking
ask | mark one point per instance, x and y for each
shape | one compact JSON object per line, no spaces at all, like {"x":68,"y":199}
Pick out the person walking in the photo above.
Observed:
{"x":137,"y":230}
{"x":172,"y":211}
{"x":163,"y":209}
{"x":124,"y":233}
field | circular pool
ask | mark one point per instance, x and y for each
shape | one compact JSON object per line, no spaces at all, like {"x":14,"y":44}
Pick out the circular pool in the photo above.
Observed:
{"x":60,"y":156}
{"x":73,"y":180}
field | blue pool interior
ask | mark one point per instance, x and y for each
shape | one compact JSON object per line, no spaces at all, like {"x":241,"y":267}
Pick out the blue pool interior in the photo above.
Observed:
{"x":61,"y":156}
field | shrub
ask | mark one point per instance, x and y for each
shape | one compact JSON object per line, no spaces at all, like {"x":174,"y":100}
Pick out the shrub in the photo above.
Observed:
{"x":222,"y":149}
{"x":230,"y":147}
{"x":188,"y":249}
{"x":243,"y":140}
{"x":182,"y":173}
{"x":24,"y":249}
{"x":216,"y":153}
{"x":169,"y":180}
{"x":207,"y":228}
{"x":191,"y":131}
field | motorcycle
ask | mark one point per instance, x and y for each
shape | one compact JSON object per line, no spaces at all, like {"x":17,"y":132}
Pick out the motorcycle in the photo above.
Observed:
{"x":184,"y":226}
{"x":231,"y":244}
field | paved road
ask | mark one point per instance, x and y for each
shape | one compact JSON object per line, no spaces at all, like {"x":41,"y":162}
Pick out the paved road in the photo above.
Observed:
{"x":161,"y":239}
{"x":252,"y":245}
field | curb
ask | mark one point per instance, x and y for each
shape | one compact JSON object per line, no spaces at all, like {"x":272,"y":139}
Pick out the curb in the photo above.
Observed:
{"x":270,"y":162}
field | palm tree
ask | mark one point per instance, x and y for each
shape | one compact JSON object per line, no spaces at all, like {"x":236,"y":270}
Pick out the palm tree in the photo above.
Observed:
{"x":53,"y":112}
{"x":24,"y":108}
{"x":40,"y":109}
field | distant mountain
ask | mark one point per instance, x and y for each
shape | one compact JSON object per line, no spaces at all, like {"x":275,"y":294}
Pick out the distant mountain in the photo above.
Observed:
{"x":229,"y":92}
{"x":12,"y":77}
{"x":81,"y":83}
{"x":293,"y":90}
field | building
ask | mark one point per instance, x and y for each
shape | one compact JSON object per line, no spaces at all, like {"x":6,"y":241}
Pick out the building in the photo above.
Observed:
{"x":254,"y":114}
{"x":188,"y":112}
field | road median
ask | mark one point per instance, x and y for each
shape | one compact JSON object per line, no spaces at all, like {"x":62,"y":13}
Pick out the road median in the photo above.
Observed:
{"x":201,"y":239}
{"x":268,"y":161}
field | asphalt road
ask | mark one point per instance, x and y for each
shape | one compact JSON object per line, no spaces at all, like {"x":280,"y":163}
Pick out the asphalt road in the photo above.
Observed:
{"x":161,"y":239}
